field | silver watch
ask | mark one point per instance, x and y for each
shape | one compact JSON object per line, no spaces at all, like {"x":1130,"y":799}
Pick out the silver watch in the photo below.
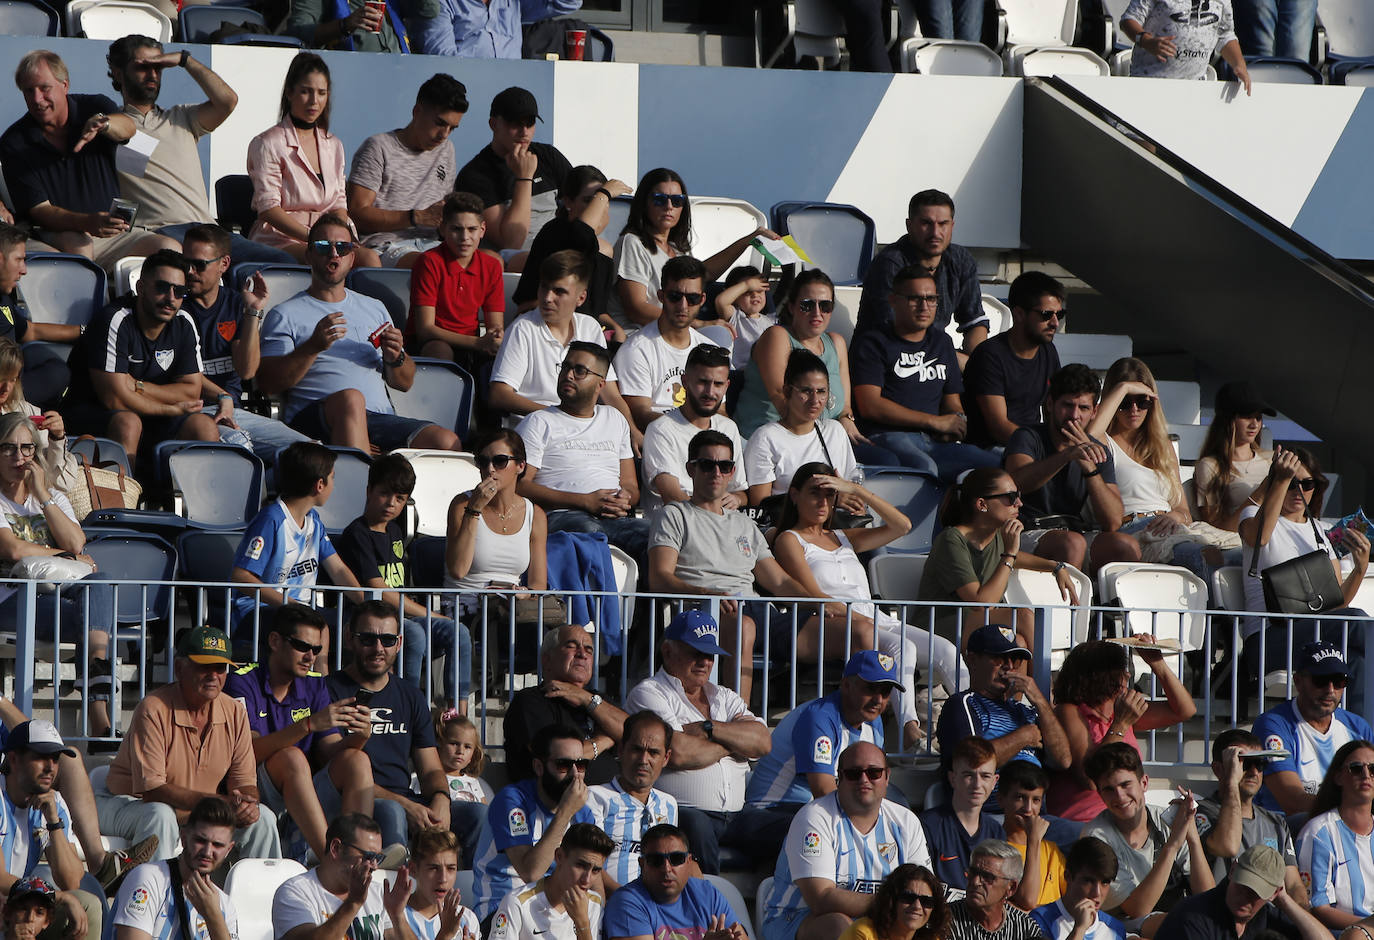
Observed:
{"x":594,"y":702}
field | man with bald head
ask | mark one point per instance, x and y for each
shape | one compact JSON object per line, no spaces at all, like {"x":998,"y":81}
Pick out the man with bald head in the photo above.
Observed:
{"x":839,"y":849}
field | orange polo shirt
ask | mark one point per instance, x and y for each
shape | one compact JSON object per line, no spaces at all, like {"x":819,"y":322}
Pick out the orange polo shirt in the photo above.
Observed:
{"x":162,"y":746}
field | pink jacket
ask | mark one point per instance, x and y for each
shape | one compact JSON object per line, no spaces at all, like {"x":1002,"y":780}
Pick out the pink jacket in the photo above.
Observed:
{"x":283,"y":179}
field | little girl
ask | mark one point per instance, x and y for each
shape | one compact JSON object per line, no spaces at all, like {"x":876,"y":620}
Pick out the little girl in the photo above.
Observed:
{"x":460,"y":754}
{"x":741,"y":305}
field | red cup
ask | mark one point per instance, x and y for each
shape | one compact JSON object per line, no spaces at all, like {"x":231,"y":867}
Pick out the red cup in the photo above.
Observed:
{"x":575,"y":44}
{"x":380,"y":7}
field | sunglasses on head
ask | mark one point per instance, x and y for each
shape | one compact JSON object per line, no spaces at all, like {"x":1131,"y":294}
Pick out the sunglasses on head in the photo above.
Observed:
{"x":659,"y":859}
{"x":1306,"y":486}
{"x":200,"y":264}
{"x":809,"y":305}
{"x":568,"y":763}
{"x":499,"y":461}
{"x":706,"y":465}
{"x":386,"y":639}
{"x":324,"y":247}
{"x":855,"y":773}
{"x":676,"y":200}
{"x":913,"y":897}
{"x":1047,"y":315}
{"x":1141,"y":402}
{"x":178,"y":291}
{"x":677,"y":296}
{"x":300,"y":646}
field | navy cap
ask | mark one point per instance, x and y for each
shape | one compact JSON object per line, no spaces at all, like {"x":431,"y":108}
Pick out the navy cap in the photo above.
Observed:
{"x":996,"y":640}
{"x":1320,"y":659}
{"x":40,"y":736}
{"x":873,"y":666}
{"x":697,"y":629}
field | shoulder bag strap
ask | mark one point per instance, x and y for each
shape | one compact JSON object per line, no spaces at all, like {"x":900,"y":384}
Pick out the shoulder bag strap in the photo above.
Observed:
{"x":179,"y":898}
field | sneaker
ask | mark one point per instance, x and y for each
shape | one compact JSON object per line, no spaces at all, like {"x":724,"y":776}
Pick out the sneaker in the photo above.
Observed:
{"x":394,"y":856}
{"x":119,"y":862}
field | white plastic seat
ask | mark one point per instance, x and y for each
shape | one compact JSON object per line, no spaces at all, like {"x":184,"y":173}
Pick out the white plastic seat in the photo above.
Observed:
{"x":440,"y":475}
{"x":949,"y":57}
{"x":1037,"y":28}
{"x":998,"y":314}
{"x":1182,"y":401}
{"x":1349,"y":26}
{"x":1058,"y":60}
{"x":1165,"y":600}
{"x":895,"y":577}
{"x":718,"y":221}
{"x":846,"y":313}
{"x":626,"y":582}
{"x":736,"y":901}
{"x":1228,"y":591}
{"x":718,"y":334}
{"x":1282,"y":73}
{"x":1189,"y":443}
{"x":510,"y":282}
{"x":125,"y":278}
{"x":819,"y":28}
{"x":1067,"y":627}
{"x":251,"y":884}
{"x":114,"y":19}
{"x":1094,"y":350}
{"x":761,"y":898}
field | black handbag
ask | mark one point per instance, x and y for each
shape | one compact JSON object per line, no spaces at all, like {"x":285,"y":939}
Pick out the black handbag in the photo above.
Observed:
{"x":1303,"y":585}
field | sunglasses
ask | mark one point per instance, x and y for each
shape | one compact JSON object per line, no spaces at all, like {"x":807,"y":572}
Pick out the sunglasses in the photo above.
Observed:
{"x":1336,"y":682}
{"x":579,"y":371}
{"x":200,"y":264}
{"x":568,"y":763}
{"x":1010,"y":498}
{"x":659,"y":859}
{"x":920,"y":300}
{"x":982,"y":874}
{"x":676,"y":200}
{"x":178,"y":291}
{"x":1359,"y":769}
{"x":676,"y":297}
{"x":710,"y":466}
{"x":375,"y":858}
{"x":1135,"y":403}
{"x":324,"y":248}
{"x":1257,"y":764}
{"x":1306,"y":486}
{"x":1047,"y":315}
{"x":911,"y":897}
{"x":386,"y":639}
{"x":300,"y":646}
{"x":810,"y":304}
{"x":499,"y":461}
{"x":855,"y":773}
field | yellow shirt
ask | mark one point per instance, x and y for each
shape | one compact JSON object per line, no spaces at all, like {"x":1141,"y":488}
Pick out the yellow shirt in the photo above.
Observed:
{"x":861,"y":929}
{"x":1052,"y":878}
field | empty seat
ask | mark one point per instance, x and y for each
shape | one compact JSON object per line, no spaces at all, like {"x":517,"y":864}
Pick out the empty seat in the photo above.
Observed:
{"x":1281,"y":71}
{"x":206,"y":556}
{"x":915,"y":494}
{"x":998,"y":314}
{"x":28,"y":18}
{"x":1094,"y":350}
{"x":1165,"y":600}
{"x":284,"y":281}
{"x":1060,"y":60}
{"x":846,"y":312}
{"x":59,"y":288}
{"x":251,"y":885}
{"x":838,"y":238}
{"x":949,"y":57}
{"x":389,"y":285}
{"x":718,"y":221}
{"x":440,"y":475}
{"x":1349,"y":28}
{"x":1182,"y":401}
{"x":142,"y":559}
{"x":126,"y":273}
{"x":234,"y":197}
{"x":1043,"y":31}
{"x":1039,"y":590}
{"x":115,"y":19}
{"x":1188,"y":445}
{"x":441,"y":393}
{"x":896,"y":577}
{"x":346,"y":503}
{"x":216,"y":484}
{"x":736,"y":901}
{"x":199,"y":22}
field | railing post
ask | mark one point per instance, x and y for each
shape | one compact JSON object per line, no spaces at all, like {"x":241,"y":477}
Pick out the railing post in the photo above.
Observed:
{"x":24,"y":647}
{"x":1366,"y":675}
{"x":1042,"y":650}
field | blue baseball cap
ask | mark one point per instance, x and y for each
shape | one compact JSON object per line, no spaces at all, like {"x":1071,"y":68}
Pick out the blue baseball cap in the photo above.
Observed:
{"x":996,"y":640}
{"x":873,"y":666}
{"x":1320,"y":659}
{"x":697,"y":629}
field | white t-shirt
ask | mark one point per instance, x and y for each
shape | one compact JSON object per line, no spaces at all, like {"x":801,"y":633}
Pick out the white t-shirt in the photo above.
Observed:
{"x":665,"y":451}
{"x":23,"y":833}
{"x":634,"y":263}
{"x":774,"y":453}
{"x":30,"y":524}
{"x":576,"y":455}
{"x":468,"y":789}
{"x":1288,"y":541}
{"x":1245,"y":476}
{"x":530,"y":355}
{"x":1198,"y":28}
{"x":525,"y":913}
{"x":303,"y":900}
{"x":649,"y":367}
{"x":747,"y":332}
{"x":145,"y":902}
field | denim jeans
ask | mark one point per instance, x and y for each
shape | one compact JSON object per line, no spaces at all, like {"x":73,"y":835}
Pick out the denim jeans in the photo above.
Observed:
{"x":1276,"y":27}
{"x":265,"y":436}
{"x":419,"y":648}
{"x":630,"y":534}
{"x":917,"y":450}
{"x":951,"y":19}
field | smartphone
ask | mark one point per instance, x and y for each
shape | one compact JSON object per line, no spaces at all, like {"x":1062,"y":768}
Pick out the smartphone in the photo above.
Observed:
{"x":124,"y":209}
{"x":362,"y":697}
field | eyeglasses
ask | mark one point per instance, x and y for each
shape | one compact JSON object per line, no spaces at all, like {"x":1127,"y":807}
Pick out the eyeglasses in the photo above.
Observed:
{"x":659,"y":859}
{"x":1047,"y":315}
{"x":911,"y":897}
{"x":1359,"y":769}
{"x":300,"y":646}
{"x":1336,"y":682}
{"x":1011,"y":498}
{"x":809,"y":305}
{"x":178,"y":291}
{"x":568,"y":763}
{"x":499,"y":461}
{"x":676,"y":200}
{"x":200,"y":264}
{"x":9,"y":450}
{"x":919,"y":300}
{"x":374,"y":858}
{"x":1132,"y":402}
{"x":386,"y":639}
{"x":676,"y":297}
{"x":579,"y":371}
{"x":982,"y":874}
{"x":855,"y":773}
{"x":324,"y":248}
{"x":1307,"y":485}
{"x":711,"y":466}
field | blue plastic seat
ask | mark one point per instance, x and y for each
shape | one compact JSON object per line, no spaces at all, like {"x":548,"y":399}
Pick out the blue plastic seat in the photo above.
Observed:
{"x":389,"y":285}
{"x":915,"y":494}
{"x":100,"y":451}
{"x":216,"y":484}
{"x":838,"y":238}
{"x":351,"y":467}
{"x":28,"y":18}
{"x":207,"y":557}
{"x":427,"y":561}
{"x":441,"y":394}
{"x":234,"y":196}
{"x":284,"y":281}
{"x":139,"y":558}
{"x":61,"y":288}
{"x":199,"y":22}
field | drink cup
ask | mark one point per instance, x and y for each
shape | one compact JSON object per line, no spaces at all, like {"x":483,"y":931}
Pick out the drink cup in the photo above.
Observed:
{"x":575,"y":44}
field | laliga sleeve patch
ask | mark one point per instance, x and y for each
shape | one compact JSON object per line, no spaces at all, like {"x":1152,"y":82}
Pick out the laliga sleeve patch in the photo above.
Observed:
{"x":138,"y":901}
{"x":255,"y":548}
{"x":823,"y":751}
{"x":811,"y":844}
{"x":1274,"y":743}
{"x":500,"y":927}
{"x":519,"y":825}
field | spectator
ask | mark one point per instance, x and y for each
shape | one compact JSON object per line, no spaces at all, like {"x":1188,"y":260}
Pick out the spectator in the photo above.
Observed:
{"x":138,"y":369}
{"x":698,"y":547}
{"x":1089,"y":871}
{"x":318,"y":347}
{"x":629,"y":806}
{"x":1275,"y":27}
{"x":951,"y":19}
{"x":742,"y":306}
{"x":1334,"y":843}
{"x":567,"y":699}
{"x":59,"y":162}
{"x":29,"y":910}
{"x":714,"y":736}
{"x":46,"y":373}
{"x":908,"y":905}
{"x":1233,"y":469}
{"x":229,"y":323}
{"x":159,"y":898}
{"x":864,"y":37}
{"x":985,"y":912}
{"x":297,"y":166}
{"x":659,"y":227}
{"x":670,"y":901}
{"x":562,"y":905}
{"x":529,"y":820}
{"x":705,"y":381}
{"x":1097,"y":705}
{"x":833,"y":862}
{"x":1161,"y":858}
{"x":462,"y":759}
{"x":651,"y":361}
{"x":360,"y":28}
{"x":928,"y":245}
{"x":956,"y":826}
{"x":1005,"y":384}
{"x":340,"y":894}
{"x":824,"y":561}
{"x":402,"y":730}
{"x":398,"y":179}
{"x":907,"y":385}
{"x":463,"y":28}
{"x":1311,"y":727}
{"x":973,"y":556}
{"x":169,"y":183}
{"x":297,"y":728}
{"x":436,"y":905}
{"x":163,"y":770}
{"x":373,"y":546}
{"x":1230,"y":822}
{"x":1167,"y":46}
{"x":581,"y":469}
{"x":1061,"y":471}
{"x":61,"y":468}
{"x":1023,"y":786}
{"x":1251,"y":902}
{"x":513,"y":212}
{"x":457,"y":291}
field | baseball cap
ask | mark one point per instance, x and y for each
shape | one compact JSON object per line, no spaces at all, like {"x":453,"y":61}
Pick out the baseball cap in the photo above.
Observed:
{"x":697,"y":629}
{"x":1259,"y":868}
{"x":873,"y":666}
{"x":1241,"y":398}
{"x":205,"y":645}
{"x":40,"y":736}
{"x":31,"y":888}
{"x":515,"y":104}
{"x":996,"y":640}
{"x":1320,"y":659}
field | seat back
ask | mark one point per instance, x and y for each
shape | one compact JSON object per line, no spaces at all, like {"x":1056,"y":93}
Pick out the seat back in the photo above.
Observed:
{"x":350,"y":489}
{"x":1181,"y":401}
{"x":389,"y":285}
{"x":144,"y":558}
{"x":199,"y":22}
{"x":207,"y":556}
{"x":1190,"y":439}
{"x":101,"y":450}
{"x":427,"y":561}
{"x":626,"y":580}
{"x":284,"y":281}
{"x":251,"y":885}
{"x":896,"y":576}
{"x":1067,"y":626}
{"x":718,"y":221}
{"x":761,"y":898}
{"x":28,"y":18}
{"x":846,"y":313}
{"x":949,"y":57}
{"x":441,"y":393}
{"x":600,"y":46}
{"x":1095,"y":350}
{"x":1061,"y":60}
{"x":1041,"y":22}
{"x":58,"y":288}
{"x":115,"y":19}
{"x":440,"y":475}
{"x":1349,"y":26}
{"x":219,"y":484}
{"x":618,"y":213}
{"x":1281,"y":71}
{"x":736,"y":901}
{"x":915,"y":494}
{"x":998,"y":314}
{"x":1228,"y":587}
{"x":1159,"y":592}
{"x":126,"y":273}
{"x":838,"y":238}
{"x":233,"y":195}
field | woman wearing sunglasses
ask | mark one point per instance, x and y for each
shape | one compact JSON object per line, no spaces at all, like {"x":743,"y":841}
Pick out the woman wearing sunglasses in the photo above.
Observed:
{"x":659,"y":227}
{"x":908,"y":905}
{"x":1334,"y":847}
{"x":297,"y":166}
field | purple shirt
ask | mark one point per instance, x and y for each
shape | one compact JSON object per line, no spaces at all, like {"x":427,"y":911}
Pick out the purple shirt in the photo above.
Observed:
{"x":266,"y":714}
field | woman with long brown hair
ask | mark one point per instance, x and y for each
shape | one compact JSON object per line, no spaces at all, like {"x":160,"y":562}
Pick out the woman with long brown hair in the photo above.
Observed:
{"x":1233,"y":468}
{"x":908,"y":905}
{"x":1334,"y":846}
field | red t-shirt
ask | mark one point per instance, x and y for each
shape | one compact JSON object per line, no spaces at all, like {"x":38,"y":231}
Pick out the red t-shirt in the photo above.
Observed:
{"x":456,"y":293}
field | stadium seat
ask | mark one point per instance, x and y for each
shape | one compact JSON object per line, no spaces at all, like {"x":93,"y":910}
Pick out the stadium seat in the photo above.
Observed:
{"x":736,"y":901}
{"x":626,"y":581}
{"x":28,"y":18}
{"x":389,"y":285}
{"x":101,"y":450}
{"x":234,"y":201}
{"x":1281,"y":71}
{"x":998,"y":314}
{"x":141,"y":558}
{"x":916,"y":494}
{"x":1188,"y":440}
{"x":838,"y":238}
{"x":1095,"y":350}
{"x":618,"y":213}
{"x":949,"y":57}
{"x":1040,"y":590}
{"x":718,"y":334}
{"x":896,"y":577}
{"x":440,"y":475}
{"x":814,"y":28}
{"x":1348,"y":28}
{"x":61,"y":288}
{"x":427,"y":561}
{"x":600,"y":46}
{"x":284,"y":281}
{"x":1060,"y":60}
{"x":718,"y":221}
{"x":199,"y":22}
{"x":441,"y":393}
{"x":1155,"y":595}
{"x":846,"y":313}
{"x":351,"y":467}
{"x":1040,"y":36}
{"x":115,"y":19}
{"x":216,"y":484}
{"x":761,"y":898}
{"x":1358,"y":74}
{"x":126,"y":273}
{"x":207,"y":557}
{"x":251,"y":884}
{"x":1182,"y":401}
{"x":511,"y":280}
{"x":165,"y":525}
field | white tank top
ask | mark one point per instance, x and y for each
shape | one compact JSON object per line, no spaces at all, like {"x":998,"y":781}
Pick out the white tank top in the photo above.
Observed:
{"x":497,"y":557}
{"x":840,"y":574}
{"x":1142,"y":489}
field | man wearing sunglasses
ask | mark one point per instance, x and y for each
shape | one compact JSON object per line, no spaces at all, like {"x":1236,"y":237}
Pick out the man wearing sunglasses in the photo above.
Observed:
{"x":985,"y":912}
{"x":666,"y":900}
{"x":1311,"y":727}
{"x":296,"y":726}
{"x":651,"y":362}
{"x":839,"y":849}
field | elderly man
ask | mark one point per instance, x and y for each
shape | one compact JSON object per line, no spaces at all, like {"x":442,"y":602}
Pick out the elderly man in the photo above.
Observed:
{"x":185,"y":742}
{"x":566,"y":654}
{"x":1250,"y":903}
{"x":629,"y":805}
{"x":666,"y":901}
{"x":839,"y":849}
{"x":714,"y":735}
{"x":984,"y":912}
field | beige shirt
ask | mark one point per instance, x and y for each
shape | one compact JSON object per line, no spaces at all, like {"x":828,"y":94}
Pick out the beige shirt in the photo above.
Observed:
{"x":163,"y":746}
{"x":171,"y":188}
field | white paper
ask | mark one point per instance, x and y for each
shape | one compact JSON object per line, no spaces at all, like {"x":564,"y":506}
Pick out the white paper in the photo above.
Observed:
{"x":133,"y":156}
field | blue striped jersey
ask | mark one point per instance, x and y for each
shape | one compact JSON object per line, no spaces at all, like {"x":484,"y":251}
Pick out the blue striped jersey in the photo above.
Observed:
{"x":1312,"y":751}
{"x":625,"y":819}
{"x":1336,"y":864}
{"x":808,"y":740}
{"x":427,"y":928}
{"x":278,"y":551}
{"x":145,"y":902}
{"x":24,"y":834}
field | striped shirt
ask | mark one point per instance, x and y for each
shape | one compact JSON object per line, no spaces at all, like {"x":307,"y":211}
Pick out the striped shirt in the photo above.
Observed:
{"x":427,"y":928}
{"x":24,"y":834}
{"x":145,"y":903}
{"x":808,"y":740}
{"x":625,"y":819}
{"x":1016,"y":925}
{"x":1337,"y":864}
{"x":1310,"y":751}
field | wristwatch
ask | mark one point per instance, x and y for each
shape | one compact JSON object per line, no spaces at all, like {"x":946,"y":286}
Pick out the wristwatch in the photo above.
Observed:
{"x":708,"y":728}
{"x":593,"y":702}
{"x":1059,"y":566}
{"x":397,"y":361}
{"x":56,"y":826}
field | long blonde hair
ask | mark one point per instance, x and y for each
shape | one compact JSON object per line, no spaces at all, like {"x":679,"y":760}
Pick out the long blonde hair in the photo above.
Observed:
{"x":12,"y":360}
{"x":1151,"y":443}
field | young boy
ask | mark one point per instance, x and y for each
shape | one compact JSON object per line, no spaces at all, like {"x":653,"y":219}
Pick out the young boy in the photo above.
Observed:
{"x":28,"y":909}
{"x":1077,"y":915}
{"x":449,"y":285}
{"x":565,"y":904}
{"x":374,"y":549}
{"x":1022,"y":785}
{"x":952,"y":830}
{"x":286,"y":544}
{"x":435,"y":910}
{"x":741,"y":305}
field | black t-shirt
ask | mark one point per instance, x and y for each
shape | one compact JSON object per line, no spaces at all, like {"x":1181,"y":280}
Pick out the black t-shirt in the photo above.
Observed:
{"x":993,"y":369}
{"x":1206,"y":916}
{"x":956,"y":283}
{"x":914,"y":375}
{"x":14,"y":316}
{"x":114,"y":343}
{"x":219,"y":325}
{"x":401,"y":722}
{"x":562,"y":233}
{"x":488,"y":178}
{"x":531,"y":710}
{"x":37,"y":172}
{"x":370,"y":554}
{"x":1066,"y":494}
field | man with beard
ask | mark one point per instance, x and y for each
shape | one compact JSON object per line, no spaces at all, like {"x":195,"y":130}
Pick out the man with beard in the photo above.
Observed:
{"x":162,"y":170}
{"x":402,"y":732}
{"x":629,"y":804}
{"x":157,"y":895}
{"x":563,"y":905}
{"x":333,"y":353}
{"x":705,"y":380}
{"x":667,"y":900}
{"x":527,"y":820}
